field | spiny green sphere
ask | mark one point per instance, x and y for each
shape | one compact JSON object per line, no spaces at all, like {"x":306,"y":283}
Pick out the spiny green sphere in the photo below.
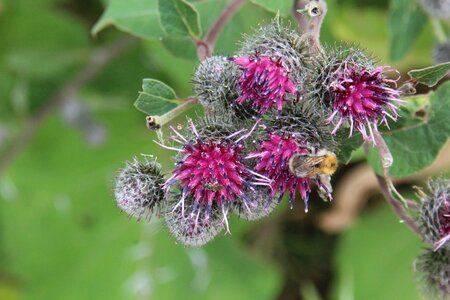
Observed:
{"x":263,"y":205}
{"x":434,"y":213}
{"x":192,"y":229}
{"x":215,"y":82}
{"x":279,"y":42}
{"x":433,"y":268}
{"x":138,"y":190}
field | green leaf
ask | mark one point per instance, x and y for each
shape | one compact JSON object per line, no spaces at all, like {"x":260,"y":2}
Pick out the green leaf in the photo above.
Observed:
{"x":183,"y":48}
{"x":406,"y":21}
{"x":156,"y":98}
{"x":416,"y":144}
{"x":348,"y":145}
{"x":431,"y":75}
{"x":277,"y":6}
{"x":179,"y":18}
{"x":137,"y":17}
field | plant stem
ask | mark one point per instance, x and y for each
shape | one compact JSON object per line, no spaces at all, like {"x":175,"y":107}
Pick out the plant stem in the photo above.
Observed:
{"x":386,"y":186}
{"x":205,"y":47}
{"x":310,"y":15}
{"x":156,"y":122}
{"x":97,"y":62}
{"x":438,"y":30}
{"x":398,"y":208}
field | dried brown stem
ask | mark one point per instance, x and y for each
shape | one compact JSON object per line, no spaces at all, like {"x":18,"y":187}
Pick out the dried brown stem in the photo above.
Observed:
{"x":156,"y":122}
{"x":398,"y":207}
{"x":205,"y":47}
{"x":98,"y":60}
{"x":310,"y":20}
{"x":385,"y":184}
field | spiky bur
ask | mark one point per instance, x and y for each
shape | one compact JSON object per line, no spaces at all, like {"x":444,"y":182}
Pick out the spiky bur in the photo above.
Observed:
{"x":274,"y":59}
{"x":138,"y":189}
{"x":355,"y":92}
{"x":272,"y":160}
{"x":215,"y":82}
{"x":210,"y":170}
{"x":434,"y":213}
{"x":279,"y":42}
{"x":433,"y":270}
{"x":441,"y":52}
{"x":263,"y":205}
{"x":192,"y":229}
{"x":437,"y":8}
{"x":264,"y":82}
{"x":306,"y":122}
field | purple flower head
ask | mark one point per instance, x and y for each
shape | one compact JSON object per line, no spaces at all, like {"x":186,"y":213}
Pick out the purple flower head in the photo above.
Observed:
{"x":444,"y":221}
{"x":363,"y":97}
{"x":264,"y":82}
{"x":434,"y":214}
{"x":212,"y":173}
{"x":273,"y":162}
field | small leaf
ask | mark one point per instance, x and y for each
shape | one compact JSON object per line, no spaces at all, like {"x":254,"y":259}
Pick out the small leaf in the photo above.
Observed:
{"x":348,"y":145}
{"x":416,"y":144}
{"x":179,"y":18}
{"x":431,"y":75}
{"x":406,"y":21}
{"x":280,"y":6}
{"x":156,"y":98}
{"x":137,"y":17}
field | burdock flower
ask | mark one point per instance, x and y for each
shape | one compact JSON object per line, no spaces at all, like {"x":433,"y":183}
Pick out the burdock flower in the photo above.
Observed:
{"x":273,"y":162}
{"x":211,"y":172}
{"x":434,"y":214}
{"x":363,"y":97}
{"x":264,"y":82}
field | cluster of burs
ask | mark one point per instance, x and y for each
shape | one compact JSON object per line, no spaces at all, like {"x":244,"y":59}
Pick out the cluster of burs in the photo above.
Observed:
{"x":274,"y":118}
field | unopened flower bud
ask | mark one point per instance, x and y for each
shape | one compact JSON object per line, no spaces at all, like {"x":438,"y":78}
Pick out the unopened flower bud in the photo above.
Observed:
{"x":138,"y":190}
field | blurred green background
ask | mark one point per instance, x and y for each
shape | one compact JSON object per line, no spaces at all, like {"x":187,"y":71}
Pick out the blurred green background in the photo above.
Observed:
{"x":61,"y":236}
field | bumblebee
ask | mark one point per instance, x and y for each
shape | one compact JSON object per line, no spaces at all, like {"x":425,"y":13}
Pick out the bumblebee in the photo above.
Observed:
{"x":323,"y":162}
{"x":215,"y":187}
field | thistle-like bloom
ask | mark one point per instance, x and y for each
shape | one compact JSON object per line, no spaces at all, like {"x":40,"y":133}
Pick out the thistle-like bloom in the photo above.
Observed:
{"x":434,"y":214}
{"x":211,"y":171}
{"x":273,"y":162}
{"x":363,"y":97}
{"x":264,"y":82}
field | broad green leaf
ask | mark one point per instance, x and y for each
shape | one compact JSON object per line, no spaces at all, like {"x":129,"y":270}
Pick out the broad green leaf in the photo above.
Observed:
{"x":277,"y":6}
{"x":137,"y":17}
{"x":179,"y":18}
{"x":183,"y":48}
{"x":430,"y":76}
{"x":156,"y":98}
{"x":416,"y":144}
{"x":406,"y":21}
{"x":348,"y":145}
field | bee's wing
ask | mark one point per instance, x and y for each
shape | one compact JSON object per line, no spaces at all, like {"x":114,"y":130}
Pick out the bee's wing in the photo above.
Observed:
{"x":305,"y":166}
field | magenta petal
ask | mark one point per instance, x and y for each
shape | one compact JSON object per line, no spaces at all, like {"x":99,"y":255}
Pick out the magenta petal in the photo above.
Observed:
{"x":264,"y":82}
